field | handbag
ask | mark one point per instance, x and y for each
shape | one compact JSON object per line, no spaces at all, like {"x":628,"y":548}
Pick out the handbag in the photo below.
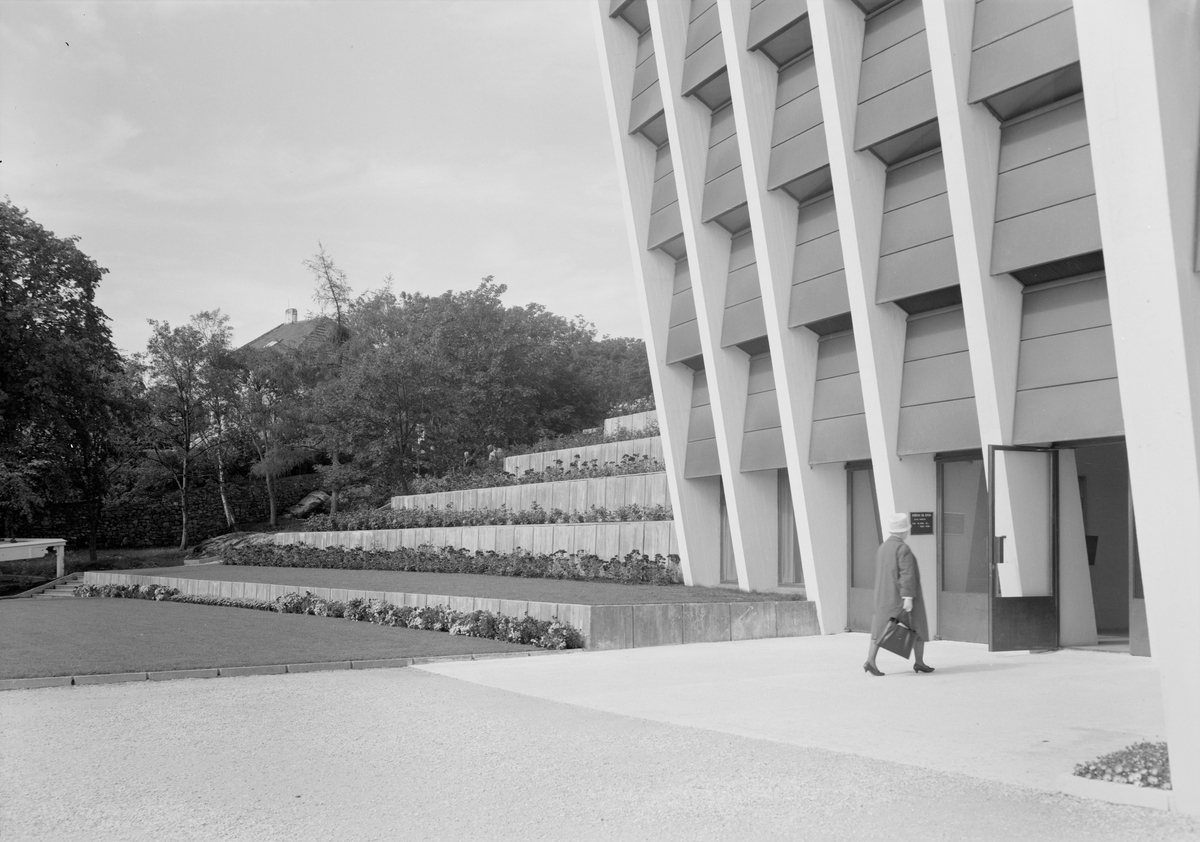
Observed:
{"x":898,"y":636}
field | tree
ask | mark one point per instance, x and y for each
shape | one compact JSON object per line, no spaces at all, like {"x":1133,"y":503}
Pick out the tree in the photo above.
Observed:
{"x":326,"y":406}
{"x":619,"y":370}
{"x":219,"y":376}
{"x":174,"y":361}
{"x":332,"y":290}
{"x":270,"y":417}
{"x":63,"y":397}
{"x":429,"y":383}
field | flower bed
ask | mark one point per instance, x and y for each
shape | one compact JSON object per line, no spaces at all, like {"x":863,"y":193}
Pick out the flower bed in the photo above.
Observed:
{"x":1141,"y":764}
{"x":449,"y":516}
{"x":634,"y":568}
{"x":544,"y":634}
{"x":576,"y":469}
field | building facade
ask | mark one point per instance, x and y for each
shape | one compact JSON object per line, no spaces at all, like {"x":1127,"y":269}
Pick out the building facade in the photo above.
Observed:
{"x":935,"y":257}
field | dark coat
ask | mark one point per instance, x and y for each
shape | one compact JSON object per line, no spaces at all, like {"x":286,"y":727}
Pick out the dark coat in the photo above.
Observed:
{"x":897,"y":576}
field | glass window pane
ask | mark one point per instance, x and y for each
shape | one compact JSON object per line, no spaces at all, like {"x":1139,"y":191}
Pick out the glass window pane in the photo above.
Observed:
{"x":790,"y":570}
{"x":728,"y":566}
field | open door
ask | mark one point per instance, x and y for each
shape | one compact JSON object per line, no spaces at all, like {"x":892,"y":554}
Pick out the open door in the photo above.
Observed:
{"x":1023,"y":551}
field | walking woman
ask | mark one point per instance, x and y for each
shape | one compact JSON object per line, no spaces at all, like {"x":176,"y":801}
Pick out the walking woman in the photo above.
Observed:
{"x":898,"y":587}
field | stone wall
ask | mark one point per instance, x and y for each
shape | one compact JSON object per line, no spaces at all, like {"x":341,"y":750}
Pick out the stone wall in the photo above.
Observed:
{"x":157,"y":522}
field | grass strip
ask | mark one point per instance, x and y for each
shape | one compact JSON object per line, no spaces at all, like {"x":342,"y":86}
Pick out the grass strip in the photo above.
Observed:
{"x":54,"y":637}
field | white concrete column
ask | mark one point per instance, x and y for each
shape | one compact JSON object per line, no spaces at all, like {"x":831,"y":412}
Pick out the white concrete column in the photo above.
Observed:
{"x":750,"y":497}
{"x":1076,"y":609}
{"x":695,"y":504}
{"x":859,"y":180}
{"x":818,"y":494}
{"x":971,"y":153}
{"x":1143,"y":118}
{"x":991,"y":304}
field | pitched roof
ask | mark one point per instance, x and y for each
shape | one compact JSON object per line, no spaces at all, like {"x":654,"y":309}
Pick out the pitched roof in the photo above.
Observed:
{"x":294,"y":335}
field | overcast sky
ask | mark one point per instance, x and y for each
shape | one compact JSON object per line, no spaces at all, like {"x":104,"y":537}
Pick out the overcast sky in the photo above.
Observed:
{"x":201,"y":150}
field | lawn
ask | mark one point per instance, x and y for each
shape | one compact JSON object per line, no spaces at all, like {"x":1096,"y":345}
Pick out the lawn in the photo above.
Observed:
{"x":468,"y":584}
{"x":44,"y":637}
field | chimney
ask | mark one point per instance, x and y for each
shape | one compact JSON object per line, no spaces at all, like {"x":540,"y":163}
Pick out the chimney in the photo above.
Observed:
{"x":289,"y":316}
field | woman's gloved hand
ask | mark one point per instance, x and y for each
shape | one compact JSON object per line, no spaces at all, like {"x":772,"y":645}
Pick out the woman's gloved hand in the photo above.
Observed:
{"x":908,"y":603}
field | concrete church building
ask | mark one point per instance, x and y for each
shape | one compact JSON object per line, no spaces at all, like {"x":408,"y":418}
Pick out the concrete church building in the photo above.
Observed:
{"x":935,"y":257}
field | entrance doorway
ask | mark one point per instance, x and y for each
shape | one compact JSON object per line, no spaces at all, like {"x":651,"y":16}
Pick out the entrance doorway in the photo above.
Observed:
{"x":1024,"y":548}
{"x":976,"y":577}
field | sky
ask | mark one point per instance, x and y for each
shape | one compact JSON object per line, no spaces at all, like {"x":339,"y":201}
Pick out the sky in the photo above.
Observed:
{"x":202,"y":150}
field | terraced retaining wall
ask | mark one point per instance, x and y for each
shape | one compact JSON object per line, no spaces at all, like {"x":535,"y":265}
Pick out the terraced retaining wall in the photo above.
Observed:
{"x":602,"y":626}
{"x":569,"y":495}
{"x":652,"y":537}
{"x":608,"y":452}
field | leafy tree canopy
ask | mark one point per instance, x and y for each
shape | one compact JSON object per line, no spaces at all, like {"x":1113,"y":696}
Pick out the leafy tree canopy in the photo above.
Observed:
{"x":63,"y":393}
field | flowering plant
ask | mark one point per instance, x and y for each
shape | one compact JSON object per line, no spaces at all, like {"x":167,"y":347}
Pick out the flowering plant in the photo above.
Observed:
{"x":1141,"y":764}
{"x":544,"y":634}
{"x":633,"y":568}
{"x":449,"y":516}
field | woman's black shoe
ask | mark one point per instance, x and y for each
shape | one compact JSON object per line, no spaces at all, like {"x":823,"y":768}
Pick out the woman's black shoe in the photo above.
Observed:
{"x":871,"y":668}
{"x":922,"y":668}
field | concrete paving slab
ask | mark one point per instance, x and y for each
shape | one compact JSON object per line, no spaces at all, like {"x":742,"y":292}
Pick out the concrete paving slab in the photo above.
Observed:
{"x":171,"y":675}
{"x":266,"y":669}
{"x":1019,"y":718}
{"x":35,"y":683}
{"x":110,"y":678}
{"x":320,"y":667}
{"x":381,"y":663}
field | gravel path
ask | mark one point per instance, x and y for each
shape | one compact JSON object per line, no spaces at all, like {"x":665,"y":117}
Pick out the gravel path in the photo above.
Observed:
{"x":465,"y":584}
{"x":406,"y":754}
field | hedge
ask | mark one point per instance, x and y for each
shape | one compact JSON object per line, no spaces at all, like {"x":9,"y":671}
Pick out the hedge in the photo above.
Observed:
{"x":528,"y":631}
{"x":449,"y":516}
{"x":586,"y":438}
{"x":575,"y":469}
{"x":635,"y":568}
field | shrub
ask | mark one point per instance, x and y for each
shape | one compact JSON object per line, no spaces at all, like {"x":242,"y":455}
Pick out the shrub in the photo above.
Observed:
{"x":449,"y":516}
{"x":1141,"y":764}
{"x":586,"y":438}
{"x":544,"y":634}
{"x":644,"y":404}
{"x":633,"y":568}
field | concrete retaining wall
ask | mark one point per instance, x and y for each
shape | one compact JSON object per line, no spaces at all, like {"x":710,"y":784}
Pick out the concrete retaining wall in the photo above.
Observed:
{"x":575,"y":495}
{"x":609,"y":452}
{"x":638,"y":421}
{"x":602,"y":626}
{"x":652,"y":537}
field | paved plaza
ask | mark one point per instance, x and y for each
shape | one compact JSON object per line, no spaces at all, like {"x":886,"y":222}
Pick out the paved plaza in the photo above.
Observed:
{"x":771,"y":739}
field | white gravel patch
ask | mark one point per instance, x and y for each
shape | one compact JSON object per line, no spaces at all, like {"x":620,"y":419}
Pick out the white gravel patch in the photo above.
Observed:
{"x":403,"y":754}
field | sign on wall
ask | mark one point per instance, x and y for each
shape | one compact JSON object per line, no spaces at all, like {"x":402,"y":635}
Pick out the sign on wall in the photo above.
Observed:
{"x":922,"y":523}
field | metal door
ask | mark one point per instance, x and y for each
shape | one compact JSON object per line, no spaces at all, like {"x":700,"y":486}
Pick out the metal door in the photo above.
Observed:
{"x":1023,"y":551}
